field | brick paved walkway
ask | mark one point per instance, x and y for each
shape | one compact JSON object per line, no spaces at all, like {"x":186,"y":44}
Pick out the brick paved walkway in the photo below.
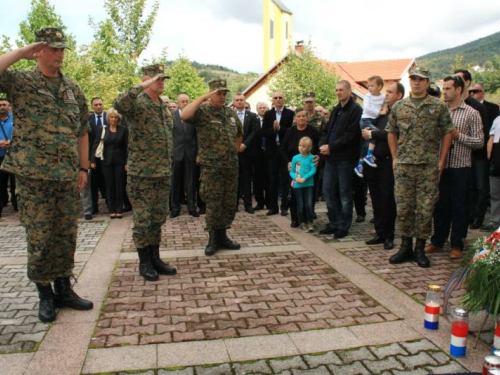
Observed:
{"x":231,"y":296}
{"x":417,"y":357}
{"x":188,"y":233}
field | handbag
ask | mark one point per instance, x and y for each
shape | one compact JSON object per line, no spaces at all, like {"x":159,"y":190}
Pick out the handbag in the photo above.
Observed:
{"x":99,"y":152}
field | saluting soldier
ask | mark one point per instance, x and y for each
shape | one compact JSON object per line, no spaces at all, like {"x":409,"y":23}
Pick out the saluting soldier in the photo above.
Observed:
{"x":220,"y":135}
{"x":49,"y":156}
{"x":420,"y":135}
{"x":149,"y":165}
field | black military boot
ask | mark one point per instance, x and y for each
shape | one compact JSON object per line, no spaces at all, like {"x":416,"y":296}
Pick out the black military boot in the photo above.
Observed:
{"x":146,"y":269}
{"x":46,"y":310}
{"x":405,"y":253}
{"x":211,"y":248}
{"x":223,"y":241}
{"x":420,"y":256}
{"x":161,"y":267}
{"x":66,"y":297}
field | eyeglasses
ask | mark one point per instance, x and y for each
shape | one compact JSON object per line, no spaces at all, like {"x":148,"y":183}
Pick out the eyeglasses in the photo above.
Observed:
{"x":278,"y":97}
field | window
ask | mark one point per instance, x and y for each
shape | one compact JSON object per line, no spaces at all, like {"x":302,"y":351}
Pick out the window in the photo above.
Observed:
{"x":271,"y":30}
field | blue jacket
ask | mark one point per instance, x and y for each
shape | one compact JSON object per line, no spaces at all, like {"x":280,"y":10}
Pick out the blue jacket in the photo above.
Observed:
{"x":5,"y":126}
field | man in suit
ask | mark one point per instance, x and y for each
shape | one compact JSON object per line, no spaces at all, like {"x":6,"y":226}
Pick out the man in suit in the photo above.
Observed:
{"x":481,"y":164}
{"x":261,"y":174}
{"x":248,"y":149}
{"x":276,"y":122}
{"x":184,"y":168}
{"x":96,"y":121}
{"x":339,"y":145}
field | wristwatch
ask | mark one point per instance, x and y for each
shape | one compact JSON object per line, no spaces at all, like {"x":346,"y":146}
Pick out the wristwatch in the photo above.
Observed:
{"x":84,"y":170}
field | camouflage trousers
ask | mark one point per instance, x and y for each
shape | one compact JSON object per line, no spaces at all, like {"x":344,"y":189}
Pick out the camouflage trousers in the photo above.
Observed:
{"x":417,"y":192}
{"x":218,"y":189}
{"x":49,"y":212}
{"x":149,"y":198}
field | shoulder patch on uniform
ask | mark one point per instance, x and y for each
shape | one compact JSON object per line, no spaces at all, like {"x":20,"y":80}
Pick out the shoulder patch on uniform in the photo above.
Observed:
{"x":233,"y":121}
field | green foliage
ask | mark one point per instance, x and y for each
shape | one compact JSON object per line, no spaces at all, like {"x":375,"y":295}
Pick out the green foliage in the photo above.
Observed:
{"x":184,"y":79}
{"x":478,"y":52}
{"x":133,"y":28}
{"x":301,"y":73}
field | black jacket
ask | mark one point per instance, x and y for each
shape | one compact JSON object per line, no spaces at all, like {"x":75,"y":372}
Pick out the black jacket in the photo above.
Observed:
{"x":470,"y":101}
{"x":382,"y":149}
{"x":115,"y":148}
{"x":272,"y":149}
{"x":251,"y":134}
{"x":185,"y":139}
{"x":346,"y":144}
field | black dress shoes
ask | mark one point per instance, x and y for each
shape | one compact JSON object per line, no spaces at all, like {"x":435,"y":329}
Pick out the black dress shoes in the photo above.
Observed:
{"x":327,"y":230}
{"x":193,"y":213}
{"x":272,"y":212}
{"x":360,"y":219}
{"x":340,"y":234}
{"x":259,"y":207}
{"x":284,"y":212}
{"x":294,"y":224}
{"x":249,"y":210}
{"x":389,"y":244}
{"x":375,"y":241}
{"x":174,"y":214}
{"x":476,"y":224}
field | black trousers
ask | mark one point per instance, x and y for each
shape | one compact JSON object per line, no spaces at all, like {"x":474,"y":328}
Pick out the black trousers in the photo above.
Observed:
{"x":451,"y":208}
{"x":359,"y":194}
{"x":114,"y":177}
{"x":184,"y":174}
{"x":97,"y":184}
{"x":246,"y":174}
{"x":278,"y":181}
{"x":381,"y":184}
{"x":261,"y":179}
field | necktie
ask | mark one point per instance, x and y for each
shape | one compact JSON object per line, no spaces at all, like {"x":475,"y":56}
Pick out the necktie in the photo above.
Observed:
{"x":278,"y":117}
{"x":99,"y":122}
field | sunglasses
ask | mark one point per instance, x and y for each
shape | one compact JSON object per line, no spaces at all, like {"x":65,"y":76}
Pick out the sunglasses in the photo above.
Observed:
{"x":475,"y":91}
{"x":278,"y":97}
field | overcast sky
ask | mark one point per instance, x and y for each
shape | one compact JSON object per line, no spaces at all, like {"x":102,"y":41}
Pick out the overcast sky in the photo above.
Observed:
{"x":229,"y":32}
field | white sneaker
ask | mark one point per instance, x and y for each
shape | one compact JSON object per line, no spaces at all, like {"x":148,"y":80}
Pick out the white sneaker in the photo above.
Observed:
{"x":303,"y":227}
{"x":310,"y":227}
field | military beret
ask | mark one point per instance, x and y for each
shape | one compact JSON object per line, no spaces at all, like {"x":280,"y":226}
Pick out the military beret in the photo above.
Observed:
{"x":53,"y":36}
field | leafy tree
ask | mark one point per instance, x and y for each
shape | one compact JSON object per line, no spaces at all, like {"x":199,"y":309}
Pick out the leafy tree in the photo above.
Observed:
{"x":302,"y":72}
{"x":184,"y":79}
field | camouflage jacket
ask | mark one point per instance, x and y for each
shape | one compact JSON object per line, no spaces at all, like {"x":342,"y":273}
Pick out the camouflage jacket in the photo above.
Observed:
{"x":218,"y":130}
{"x":46,"y":126}
{"x":150,"y":127}
{"x":317,"y":121}
{"x":420,"y":129}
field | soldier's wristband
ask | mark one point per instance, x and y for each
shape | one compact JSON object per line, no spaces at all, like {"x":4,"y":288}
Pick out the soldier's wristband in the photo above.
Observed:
{"x":84,"y":170}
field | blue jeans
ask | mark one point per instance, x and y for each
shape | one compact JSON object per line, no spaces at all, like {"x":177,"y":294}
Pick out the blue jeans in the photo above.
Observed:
{"x":337,"y":189}
{"x":366,"y":123}
{"x":304,"y":197}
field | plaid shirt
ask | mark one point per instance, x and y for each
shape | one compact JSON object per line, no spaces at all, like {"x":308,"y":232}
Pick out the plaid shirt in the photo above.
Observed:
{"x":470,"y":126}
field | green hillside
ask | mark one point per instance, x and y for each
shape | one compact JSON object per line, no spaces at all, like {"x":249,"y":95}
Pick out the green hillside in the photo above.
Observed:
{"x":478,"y":52}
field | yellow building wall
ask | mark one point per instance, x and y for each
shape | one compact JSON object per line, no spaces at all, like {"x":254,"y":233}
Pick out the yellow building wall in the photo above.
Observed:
{"x":275,"y":49}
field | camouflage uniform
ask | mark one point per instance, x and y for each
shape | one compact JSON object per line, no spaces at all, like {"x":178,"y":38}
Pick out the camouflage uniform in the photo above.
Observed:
{"x":218,"y":130}
{"x":420,"y":131}
{"x":44,"y":156}
{"x":149,"y":162}
{"x":317,"y":121}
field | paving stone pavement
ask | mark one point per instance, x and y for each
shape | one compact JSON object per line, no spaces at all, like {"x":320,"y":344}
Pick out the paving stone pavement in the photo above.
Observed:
{"x":231,"y":296}
{"x":188,"y":233}
{"x":20,"y":329}
{"x":418,"y":357}
{"x":13,"y":237}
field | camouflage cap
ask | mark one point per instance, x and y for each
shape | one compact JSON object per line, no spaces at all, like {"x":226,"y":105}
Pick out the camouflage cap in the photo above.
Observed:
{"x":153,"y":70}
{"x":420,"y":72}
{"x":218,"y":84}
{"x":53,"y":36}
{"x":310,"y":96}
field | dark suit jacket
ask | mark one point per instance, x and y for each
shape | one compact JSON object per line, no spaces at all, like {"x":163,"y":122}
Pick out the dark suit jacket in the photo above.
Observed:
{"x":185,"y":140}
{"x":347,"y":140}
{"x":115,"y":150}
{"x":268,"y":130}
{"x":93,"y":128}
{"x":251,"y":134}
